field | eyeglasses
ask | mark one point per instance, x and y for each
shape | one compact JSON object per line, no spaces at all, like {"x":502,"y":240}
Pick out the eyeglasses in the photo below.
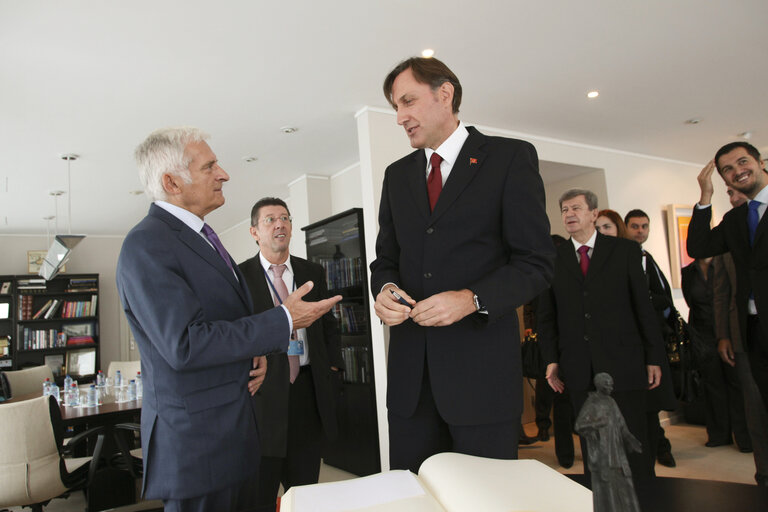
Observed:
{"x":269,"y":220}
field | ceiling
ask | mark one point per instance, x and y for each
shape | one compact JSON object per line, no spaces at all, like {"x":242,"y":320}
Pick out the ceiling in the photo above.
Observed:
{"x":94,"y":78}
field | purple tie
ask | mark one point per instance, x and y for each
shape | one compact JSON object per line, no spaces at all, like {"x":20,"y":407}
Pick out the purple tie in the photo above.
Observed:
{"x":584,"y":261}
{"x":282,"y":292}
{"x":211,"y":235}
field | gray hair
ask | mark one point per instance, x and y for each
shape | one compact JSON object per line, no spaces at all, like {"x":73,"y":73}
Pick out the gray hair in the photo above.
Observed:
{"x":589,"y":196}
{"x":163,"y":153}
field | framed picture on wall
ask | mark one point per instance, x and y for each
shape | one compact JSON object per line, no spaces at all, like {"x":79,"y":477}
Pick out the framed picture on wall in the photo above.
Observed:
{"x":678,"y":218}
{"x":81,"y":363}
{"x":35,"y":261}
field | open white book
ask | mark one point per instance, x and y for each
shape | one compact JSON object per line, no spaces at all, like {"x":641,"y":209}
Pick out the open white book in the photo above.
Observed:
{"x":448,"y":482}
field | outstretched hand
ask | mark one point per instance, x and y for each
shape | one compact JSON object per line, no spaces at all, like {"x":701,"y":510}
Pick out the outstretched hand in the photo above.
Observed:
{"x":304,"y":313}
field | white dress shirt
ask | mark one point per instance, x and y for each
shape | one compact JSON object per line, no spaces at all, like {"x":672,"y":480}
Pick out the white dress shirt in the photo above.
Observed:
{"x":448,"y":150}
{"x":590,"y":243}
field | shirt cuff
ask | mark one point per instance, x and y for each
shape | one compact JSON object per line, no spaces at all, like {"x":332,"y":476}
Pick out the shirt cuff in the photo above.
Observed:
{"x":387,"y":284}
{"x":290,"y":320}
{"x":702,"y":206}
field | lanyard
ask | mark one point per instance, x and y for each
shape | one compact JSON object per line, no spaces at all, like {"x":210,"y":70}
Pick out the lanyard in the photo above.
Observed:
{"x":271,"y":285}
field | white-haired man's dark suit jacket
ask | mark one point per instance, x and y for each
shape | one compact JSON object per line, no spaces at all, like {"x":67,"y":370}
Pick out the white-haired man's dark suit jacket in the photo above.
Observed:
{"x":192,"y":320}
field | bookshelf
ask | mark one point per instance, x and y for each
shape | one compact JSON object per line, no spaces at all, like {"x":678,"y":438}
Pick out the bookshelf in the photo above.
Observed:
{"x":7,"y":308}
{"x":56,"y":322}
{"x":338,"y":244}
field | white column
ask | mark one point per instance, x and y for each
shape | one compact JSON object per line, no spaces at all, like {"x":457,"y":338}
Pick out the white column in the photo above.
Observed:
{"x":309,"y":202}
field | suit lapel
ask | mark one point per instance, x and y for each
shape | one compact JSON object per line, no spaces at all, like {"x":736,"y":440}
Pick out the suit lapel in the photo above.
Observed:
{"x":417,"y":183}
{"x":740,"y":218}
{"x":600,"y":254}
{"x":195,"y":242}
{"x":468,"y":163}
{"x":299,"y":271}
{"x":570,"y":260}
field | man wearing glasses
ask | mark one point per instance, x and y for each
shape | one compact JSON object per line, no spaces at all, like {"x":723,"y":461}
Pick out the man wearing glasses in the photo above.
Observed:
{"x":294,"y":404}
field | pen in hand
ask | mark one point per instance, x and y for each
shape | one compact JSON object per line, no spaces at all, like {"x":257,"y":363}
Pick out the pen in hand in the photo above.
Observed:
{"x":400,"y":299}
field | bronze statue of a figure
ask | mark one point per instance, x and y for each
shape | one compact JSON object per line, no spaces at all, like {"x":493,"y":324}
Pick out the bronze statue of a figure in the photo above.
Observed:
{"x":601,"y":423}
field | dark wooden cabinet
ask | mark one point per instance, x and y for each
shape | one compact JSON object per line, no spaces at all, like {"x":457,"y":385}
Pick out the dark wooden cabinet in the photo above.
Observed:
{"x":338,"y":244}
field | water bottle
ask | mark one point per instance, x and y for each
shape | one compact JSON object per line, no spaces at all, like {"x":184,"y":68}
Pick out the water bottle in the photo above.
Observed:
{"x":55,"y":391}
{"x":118,"y":379}
{"x":47,"y":386}
{"x":139,"y":386}
{"x":74,"y":395}
{"x":92,"y":399}
{"x":131,"y":390}
{"x":100,"y":381}
{"x":67,"y":383}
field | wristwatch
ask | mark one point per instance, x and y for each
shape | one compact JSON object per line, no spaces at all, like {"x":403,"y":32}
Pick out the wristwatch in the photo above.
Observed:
{"x":478,"y":305}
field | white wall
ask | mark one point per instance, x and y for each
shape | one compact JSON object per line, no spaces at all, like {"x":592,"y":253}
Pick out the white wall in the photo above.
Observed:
{"x":346,"y":189}
{"x":94,"y":255}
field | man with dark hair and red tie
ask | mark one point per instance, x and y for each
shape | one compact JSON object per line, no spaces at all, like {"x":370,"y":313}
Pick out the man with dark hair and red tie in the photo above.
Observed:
{"x":463,"y":240}
{"x":743,"y":233}
{"x":598,"y":317}
{"x":296,"y":404}
{"x":191,"y":314}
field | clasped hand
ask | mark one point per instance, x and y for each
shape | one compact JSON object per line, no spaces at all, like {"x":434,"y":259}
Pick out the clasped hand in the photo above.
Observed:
{"x":441,"y":309}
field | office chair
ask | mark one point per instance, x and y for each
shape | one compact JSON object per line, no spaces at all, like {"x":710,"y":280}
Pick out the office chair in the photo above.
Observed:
{"x":33,"y":470}
{"x":22,"y":382}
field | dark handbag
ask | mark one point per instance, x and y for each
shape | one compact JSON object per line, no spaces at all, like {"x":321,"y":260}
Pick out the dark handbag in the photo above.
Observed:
{"x":686,"y":377}
{"x":533,"y":362}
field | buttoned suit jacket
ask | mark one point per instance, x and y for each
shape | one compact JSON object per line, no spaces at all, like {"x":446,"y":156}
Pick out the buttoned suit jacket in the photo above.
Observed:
{"x":489,"y":233}
{"x":603,"y":322}
{"x":192,"y":320}
{"x":751,"y":263}
{"x":271,"y":400}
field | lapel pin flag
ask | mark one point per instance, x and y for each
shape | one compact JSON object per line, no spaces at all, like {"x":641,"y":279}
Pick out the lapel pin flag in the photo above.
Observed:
{"x":472,"y":161}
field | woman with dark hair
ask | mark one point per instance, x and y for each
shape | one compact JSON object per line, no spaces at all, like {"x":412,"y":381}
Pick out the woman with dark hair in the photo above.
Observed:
{"x":609,"y":223}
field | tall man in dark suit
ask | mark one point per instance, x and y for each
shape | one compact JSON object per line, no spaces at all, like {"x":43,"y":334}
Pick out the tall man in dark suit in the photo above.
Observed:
{"x":597,"y":318}
{"x":190,"y":312}
{"x":464,"y":240}
{"x":743,"y":233}
{"x":295,"y":405}
{"x":732,"y":351}
{"x":638,"y":228}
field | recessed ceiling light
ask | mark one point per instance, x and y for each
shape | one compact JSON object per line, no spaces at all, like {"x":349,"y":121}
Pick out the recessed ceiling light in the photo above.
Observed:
{"x":429,"y":52}
{"x":593,"y":94}
{"x":745,"y":135}
{"x":69,"y":156}
{"x":289,"y":129}
{"x":56,"y":193}
{"x":250,"y":159}
{"x":135,"y":192}
{"x":693,"y":120}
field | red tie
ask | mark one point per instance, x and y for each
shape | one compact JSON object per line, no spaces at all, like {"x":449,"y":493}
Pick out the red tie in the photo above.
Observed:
{"x":584,"y":261}
{"x":282,"y":292}
{"x":435,"y":180}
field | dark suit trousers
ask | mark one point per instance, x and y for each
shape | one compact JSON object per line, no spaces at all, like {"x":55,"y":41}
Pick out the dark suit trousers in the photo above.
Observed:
{"x":414,"y":439}
{"x":757,"y":417}
{"x":301,"y":465}
{"x":725,"y":403}
{"x":632,"y":405}
{"x":562,"y":415}
{"x":238,"y":498}
{"x":758,"y":356}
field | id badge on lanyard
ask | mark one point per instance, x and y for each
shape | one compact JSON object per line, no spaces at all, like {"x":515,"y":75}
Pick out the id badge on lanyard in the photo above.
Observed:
{"x":295,"y":344}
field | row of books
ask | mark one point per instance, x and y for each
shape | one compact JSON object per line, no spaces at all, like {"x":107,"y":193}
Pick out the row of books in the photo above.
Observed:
{"x":31,"y":285}
{"x":83,"y":284}
{"x":5,"y":346}
{"x":35,"y":339}
{"x":352,"y":318}
{"x":69,"y":308}
{"x":343,"y":272}
{"x":357,"y":364}
{"x":41,"y":338}
{"x":335,"y":234}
